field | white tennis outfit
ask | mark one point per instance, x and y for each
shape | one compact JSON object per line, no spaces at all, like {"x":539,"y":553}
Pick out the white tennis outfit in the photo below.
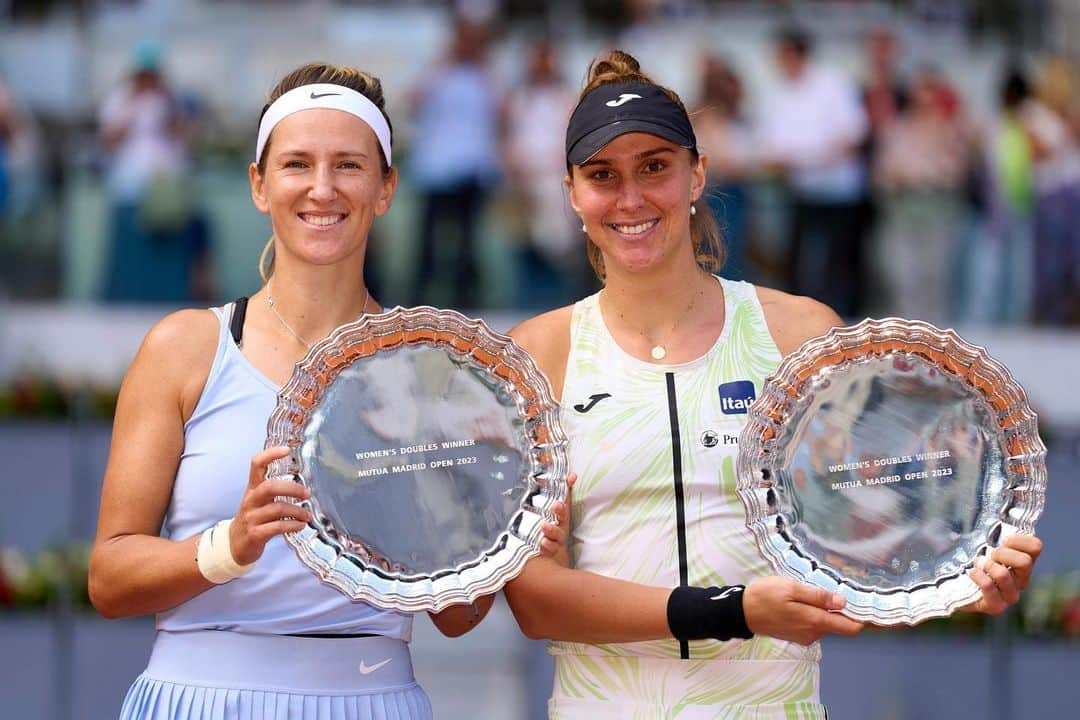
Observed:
{"x":654,"y":447}
{"x":234,"y":651}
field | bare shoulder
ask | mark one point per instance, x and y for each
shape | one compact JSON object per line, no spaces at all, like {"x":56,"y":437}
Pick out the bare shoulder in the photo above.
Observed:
{"x":157,"y":397}
{"x":177,"y":352}
{"x":547,"y":338}
{"x":182,"y":336}
{"x":542,"y":331}
{"x":794,"y":319}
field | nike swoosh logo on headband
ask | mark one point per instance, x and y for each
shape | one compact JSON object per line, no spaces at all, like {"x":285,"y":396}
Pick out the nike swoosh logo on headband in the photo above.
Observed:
{"x":315,"y":96}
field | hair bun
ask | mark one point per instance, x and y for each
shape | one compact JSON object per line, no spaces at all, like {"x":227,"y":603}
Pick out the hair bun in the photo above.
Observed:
{"x":616,"y":66}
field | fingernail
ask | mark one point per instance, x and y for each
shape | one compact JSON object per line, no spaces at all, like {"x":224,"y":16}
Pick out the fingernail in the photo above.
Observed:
{"x":838,"y":600}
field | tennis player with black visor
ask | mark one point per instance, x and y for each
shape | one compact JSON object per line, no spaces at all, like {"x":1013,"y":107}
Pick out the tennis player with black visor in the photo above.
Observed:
{"x":668,"y":609}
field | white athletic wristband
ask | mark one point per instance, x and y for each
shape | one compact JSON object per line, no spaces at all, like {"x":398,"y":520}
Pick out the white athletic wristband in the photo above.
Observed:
{"x":214,"y":556}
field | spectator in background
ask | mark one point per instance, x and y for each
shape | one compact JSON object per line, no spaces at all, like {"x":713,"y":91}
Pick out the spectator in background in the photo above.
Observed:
{"x":1049,"y":118}
{"x":159,"y":241}
{"x":27,"y":238}
{"x":454,"y":159}
{"x":8,"y":125}
{"x":884,"y":98}
{"x":811,"y":128}
{"x":884,"y":94}
{"x":725,"y":139}
{"x":549,"y":270}
{"x":22,"y":168}
{"x":920,"y":173}
{"x":998,"y":259}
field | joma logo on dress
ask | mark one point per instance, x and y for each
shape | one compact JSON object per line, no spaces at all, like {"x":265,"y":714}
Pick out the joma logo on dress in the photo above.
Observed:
{"x":736,"y":397}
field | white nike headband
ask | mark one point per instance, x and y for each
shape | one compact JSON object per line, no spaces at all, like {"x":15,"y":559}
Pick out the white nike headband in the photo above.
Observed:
{"x":324,"y":95}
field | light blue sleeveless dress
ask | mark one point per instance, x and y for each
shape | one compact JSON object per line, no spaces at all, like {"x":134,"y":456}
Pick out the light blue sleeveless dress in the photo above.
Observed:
{"x":234,"y":651}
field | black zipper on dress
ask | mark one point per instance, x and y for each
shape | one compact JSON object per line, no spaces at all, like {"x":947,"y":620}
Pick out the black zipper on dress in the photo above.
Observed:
{"x":680,"y":512}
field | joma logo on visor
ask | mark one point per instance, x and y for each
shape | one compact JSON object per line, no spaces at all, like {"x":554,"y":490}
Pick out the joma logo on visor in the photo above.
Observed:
{"x":623,"y":99}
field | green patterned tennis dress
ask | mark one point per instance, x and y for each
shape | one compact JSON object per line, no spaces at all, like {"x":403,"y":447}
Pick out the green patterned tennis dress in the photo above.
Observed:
{"x":654,"y":447}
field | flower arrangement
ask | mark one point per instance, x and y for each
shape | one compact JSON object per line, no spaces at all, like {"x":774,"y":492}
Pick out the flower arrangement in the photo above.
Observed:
{"x":49,"y":577}
{"x":1049,"y":609}
{"x":34,"y":396}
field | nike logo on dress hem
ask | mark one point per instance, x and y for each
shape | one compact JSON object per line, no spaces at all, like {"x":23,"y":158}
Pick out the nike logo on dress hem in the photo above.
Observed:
{"x":315,"y":96}
{"x":368,"y":669}
{"x":593,"y":399}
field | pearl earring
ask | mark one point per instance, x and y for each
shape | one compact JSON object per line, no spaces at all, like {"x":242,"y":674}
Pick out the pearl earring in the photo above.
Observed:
{"x":583,"y":228}
{"x":693,"y":210}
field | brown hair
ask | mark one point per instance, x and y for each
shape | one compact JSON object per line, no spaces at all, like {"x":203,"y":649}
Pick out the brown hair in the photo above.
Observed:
{"x":312,"y":73}
{"x":620,"y":67}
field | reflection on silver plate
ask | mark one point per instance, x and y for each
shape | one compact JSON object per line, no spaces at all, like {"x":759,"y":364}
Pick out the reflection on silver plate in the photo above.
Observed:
{"x":433,"y":452}
{"x":882,"y":459}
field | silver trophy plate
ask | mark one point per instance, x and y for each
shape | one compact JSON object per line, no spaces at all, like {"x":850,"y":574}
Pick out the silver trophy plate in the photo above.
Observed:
{"x":433,"y":452}
{"x":881,"y":460}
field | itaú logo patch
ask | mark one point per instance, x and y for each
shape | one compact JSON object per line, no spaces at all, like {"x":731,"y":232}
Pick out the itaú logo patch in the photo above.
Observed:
{"x":735,"y":397}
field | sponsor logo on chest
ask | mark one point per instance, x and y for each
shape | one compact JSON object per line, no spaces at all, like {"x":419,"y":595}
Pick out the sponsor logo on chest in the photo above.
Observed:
{"x":736,"y":397}
{"x":711,"y":438}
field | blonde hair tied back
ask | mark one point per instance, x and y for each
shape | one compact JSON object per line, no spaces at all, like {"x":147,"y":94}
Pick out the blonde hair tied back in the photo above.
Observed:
{"x":266,"y":261}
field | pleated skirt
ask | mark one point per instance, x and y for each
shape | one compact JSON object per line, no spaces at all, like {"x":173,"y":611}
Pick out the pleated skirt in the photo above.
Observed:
{"x":220,"y":675}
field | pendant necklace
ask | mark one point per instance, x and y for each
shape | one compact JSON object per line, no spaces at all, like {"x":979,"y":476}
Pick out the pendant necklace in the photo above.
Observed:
{"x":659,"y":351}
{"x":287,"y":326}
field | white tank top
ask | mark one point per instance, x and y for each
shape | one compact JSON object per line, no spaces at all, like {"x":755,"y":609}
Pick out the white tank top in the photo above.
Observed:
{"x":654,"y":447}
{"x":281,"y":595}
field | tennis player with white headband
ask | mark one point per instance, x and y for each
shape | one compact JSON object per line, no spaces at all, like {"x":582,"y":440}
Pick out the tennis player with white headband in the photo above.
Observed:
{"x":190,"y":526}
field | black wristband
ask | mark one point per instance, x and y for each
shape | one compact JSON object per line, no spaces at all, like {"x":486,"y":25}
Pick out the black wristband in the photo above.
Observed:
{"x":695,"y":613}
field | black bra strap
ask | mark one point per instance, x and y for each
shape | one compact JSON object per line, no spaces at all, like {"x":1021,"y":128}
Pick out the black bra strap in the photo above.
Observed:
{"x":236,"y":326}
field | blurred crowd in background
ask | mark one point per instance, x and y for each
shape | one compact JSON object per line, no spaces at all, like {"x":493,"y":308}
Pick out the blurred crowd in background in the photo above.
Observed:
{"x":916,"y":158}
{"x":881,"y":185}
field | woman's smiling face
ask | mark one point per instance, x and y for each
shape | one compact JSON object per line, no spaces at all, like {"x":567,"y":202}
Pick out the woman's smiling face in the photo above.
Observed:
{"x":634,"y":197}
{"x":323,"y":185}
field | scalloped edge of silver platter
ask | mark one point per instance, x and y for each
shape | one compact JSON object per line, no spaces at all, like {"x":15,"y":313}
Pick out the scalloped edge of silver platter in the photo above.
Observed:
{"x":1022,"y":498}
{"x":364,"y":575}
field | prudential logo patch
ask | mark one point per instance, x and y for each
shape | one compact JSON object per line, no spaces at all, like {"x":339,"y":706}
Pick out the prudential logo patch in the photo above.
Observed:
{"x":735,"y":397}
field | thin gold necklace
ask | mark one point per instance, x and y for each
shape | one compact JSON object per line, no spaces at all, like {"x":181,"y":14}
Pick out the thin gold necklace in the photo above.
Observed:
{"x":659,"y":350}
{"x":287,"y":326}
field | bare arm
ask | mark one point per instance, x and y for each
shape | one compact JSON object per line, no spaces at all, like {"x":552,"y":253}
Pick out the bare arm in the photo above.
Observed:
{"x":556,"y":602}
{"x":133,"y":571}
{"x":793,"y":319}
{"x":457,"y":620}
